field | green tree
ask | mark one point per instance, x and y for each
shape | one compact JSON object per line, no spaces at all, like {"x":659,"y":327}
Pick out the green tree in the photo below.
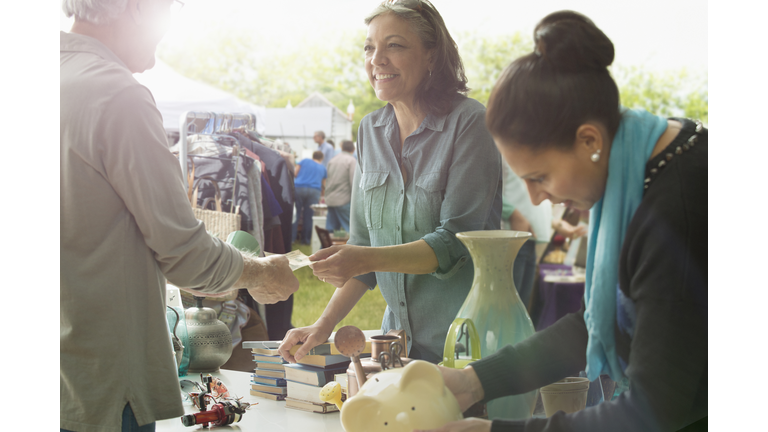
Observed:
{"x":259,"y":69}
{"x":236,"y":62}
{"x":485,"y":57}
{"x":669,"y":93}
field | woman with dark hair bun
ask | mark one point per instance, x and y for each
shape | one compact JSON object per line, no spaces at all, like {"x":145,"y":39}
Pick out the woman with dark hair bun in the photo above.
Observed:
{"x":556,"y":119}
{"x":427,"y":169}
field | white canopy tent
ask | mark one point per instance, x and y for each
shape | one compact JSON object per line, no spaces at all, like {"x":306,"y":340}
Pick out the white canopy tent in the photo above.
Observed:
{"x":176,"y":94}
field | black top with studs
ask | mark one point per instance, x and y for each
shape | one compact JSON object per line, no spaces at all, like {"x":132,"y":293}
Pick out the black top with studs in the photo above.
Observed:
{"x":687,"y":138}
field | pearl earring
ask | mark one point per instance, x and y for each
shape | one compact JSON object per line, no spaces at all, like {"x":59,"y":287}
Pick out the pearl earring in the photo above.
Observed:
{"x":595,"y":156}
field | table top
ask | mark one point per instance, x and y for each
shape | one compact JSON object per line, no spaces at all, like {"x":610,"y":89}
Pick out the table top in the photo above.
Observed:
{"x":267,"y":416}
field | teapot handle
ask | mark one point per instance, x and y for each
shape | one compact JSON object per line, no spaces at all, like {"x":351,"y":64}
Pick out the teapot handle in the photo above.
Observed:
{"x":450,"y":341}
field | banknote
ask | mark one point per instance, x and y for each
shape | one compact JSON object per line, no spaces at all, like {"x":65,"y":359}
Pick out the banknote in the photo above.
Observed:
{"x":296,"y":259}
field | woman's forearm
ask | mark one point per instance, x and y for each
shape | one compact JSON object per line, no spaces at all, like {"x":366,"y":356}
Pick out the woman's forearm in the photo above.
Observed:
{"x":410,"y":258}
{"x":342,"y":301}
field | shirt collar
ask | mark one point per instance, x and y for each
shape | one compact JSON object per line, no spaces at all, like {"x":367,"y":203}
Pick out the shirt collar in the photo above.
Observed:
{"x":387,"y":116}
{"x":73,"y":42}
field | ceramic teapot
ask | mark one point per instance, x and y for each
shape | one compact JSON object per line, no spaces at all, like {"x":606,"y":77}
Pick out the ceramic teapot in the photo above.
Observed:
{"x":401,"y":399}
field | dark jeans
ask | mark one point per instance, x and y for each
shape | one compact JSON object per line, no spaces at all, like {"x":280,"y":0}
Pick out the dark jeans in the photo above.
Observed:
{"x":129,"y":422}
{"x":304,"y":198}
{"x":338,"y":217}
{"x":524,"y":270}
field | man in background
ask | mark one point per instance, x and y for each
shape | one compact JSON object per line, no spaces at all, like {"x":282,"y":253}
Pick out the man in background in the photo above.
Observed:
{"x":310,"y":185}
{"x":127,"y":226}
{"x":323,"y":146}
{"x":338,"y":190}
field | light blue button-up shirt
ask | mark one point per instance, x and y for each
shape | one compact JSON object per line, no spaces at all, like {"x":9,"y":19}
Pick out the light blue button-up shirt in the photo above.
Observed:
{"x":453,"y":172}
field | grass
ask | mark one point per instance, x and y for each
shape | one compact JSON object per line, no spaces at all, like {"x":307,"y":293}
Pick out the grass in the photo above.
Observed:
{"x":313,"y":295}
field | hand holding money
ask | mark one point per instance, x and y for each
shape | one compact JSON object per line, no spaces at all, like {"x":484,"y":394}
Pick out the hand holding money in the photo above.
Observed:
{"x":296,"y":259}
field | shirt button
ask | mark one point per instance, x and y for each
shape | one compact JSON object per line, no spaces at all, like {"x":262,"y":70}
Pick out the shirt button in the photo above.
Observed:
{"x":398,"y":227}
{"x":401,"y":191}
{"x":407,"y":338}
{"x":402,"y":303}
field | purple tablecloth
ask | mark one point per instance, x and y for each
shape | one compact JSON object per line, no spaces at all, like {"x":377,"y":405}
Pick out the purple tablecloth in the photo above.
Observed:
{"x":559,"y":298}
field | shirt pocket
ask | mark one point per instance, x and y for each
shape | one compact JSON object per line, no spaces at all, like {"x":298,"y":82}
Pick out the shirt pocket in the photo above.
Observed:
{"x":429,"y":200}
{"x":374,"y":186}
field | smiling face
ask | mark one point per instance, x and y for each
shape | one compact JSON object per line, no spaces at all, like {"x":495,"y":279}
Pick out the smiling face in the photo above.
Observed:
{"x":395,"y":59}
{"x":567,"y":176}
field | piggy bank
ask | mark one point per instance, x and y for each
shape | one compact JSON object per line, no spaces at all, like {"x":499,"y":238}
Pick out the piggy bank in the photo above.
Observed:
{"x":401,"y":399}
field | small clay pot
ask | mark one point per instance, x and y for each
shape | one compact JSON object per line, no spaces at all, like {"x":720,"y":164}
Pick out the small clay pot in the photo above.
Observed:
{"x":380,"y":343}
{"x":568,"y":395}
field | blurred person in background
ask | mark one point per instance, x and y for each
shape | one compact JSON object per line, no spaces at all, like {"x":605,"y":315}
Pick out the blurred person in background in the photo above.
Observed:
{"x":309,"y":187}
{"x":338,"y":190}
{"x":324,"y":146}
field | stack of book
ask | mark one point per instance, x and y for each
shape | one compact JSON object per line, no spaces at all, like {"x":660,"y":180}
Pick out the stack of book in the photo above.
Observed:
{"x":298,"y":384}
{"x":268,"y":379}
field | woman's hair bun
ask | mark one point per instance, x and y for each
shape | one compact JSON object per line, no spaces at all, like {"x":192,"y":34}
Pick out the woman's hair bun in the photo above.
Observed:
{"x":572,"y":42}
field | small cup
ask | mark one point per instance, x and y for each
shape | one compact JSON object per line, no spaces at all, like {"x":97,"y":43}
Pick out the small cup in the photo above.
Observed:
{"x":380,"y":343}
{"x":568,"y":395}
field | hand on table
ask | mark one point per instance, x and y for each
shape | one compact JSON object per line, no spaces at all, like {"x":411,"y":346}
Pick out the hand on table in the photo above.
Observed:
{"x":466,"y":425}
{"x":337,"y":264}
{"x":310,"y":337}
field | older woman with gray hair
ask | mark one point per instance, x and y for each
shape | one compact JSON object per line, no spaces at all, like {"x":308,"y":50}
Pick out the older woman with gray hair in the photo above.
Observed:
{"x":427,"y":169}
{"x":127,"y":227}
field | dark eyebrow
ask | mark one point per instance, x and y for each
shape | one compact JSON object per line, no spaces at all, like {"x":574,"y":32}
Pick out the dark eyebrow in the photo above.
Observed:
{"x":387,"y":38}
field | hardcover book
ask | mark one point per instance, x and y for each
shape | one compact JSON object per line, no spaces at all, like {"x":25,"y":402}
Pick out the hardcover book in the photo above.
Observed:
{"x":279,"y":382}
{"x":272,"y":396}
{"x":269,"y":389}
{"x":324,"y":408}
{"x":269,"y":373}
{"x":312,"y":375}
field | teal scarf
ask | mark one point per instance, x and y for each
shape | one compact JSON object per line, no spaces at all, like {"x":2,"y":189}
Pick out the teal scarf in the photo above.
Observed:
{"x":608,"y":221}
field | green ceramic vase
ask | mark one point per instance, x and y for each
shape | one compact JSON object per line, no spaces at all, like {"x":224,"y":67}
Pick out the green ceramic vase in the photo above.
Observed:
{"x":495,"y":308}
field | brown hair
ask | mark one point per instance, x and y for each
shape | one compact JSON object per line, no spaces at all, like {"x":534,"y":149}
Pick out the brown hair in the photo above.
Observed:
{"x":317,"y":155}
{"x":347,"y":146}
{"x":448,"y":79}
{"x":542,"y":98}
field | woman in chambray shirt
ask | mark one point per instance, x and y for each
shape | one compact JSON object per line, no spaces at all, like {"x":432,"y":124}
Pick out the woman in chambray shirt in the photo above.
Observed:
{"x":427,"y":169}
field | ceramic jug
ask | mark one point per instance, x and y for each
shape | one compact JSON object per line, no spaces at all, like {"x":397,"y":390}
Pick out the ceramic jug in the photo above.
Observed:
{"x":210,"y":341}
{"x":495,"y":308}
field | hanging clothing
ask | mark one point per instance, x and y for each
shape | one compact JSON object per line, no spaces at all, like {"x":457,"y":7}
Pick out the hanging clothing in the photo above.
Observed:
{"x":223,"y":171}
{"x":281,"y":182}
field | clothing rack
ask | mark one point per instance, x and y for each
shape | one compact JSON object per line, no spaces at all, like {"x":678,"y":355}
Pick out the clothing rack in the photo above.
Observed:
{"x":222,"y":122}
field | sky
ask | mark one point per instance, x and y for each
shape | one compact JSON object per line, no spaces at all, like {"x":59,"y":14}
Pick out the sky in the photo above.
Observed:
{"x":657,"y":34}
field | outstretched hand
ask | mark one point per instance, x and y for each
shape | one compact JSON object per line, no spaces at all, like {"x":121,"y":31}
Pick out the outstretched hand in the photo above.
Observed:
{"x":337,"y":264}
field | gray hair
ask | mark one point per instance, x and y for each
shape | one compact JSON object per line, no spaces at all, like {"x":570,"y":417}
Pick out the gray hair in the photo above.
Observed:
{"x":99,"y":12}
{"x":447,"y":76}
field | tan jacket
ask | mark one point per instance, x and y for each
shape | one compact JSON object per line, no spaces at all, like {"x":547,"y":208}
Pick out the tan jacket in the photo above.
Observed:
{"x":126,"y":226}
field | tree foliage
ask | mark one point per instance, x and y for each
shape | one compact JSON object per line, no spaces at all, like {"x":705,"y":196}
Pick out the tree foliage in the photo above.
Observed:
{"x":261,"y":70}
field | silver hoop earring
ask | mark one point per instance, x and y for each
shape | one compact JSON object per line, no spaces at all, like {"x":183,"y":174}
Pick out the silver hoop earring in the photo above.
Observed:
{"x":595,"y":156}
